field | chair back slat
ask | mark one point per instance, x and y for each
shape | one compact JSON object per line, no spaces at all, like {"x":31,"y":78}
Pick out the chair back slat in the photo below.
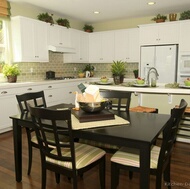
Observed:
{"x":119,"y":100}
{"x":36,"y":99}
{"x":55,"y":123}
{"x":170,"y":133}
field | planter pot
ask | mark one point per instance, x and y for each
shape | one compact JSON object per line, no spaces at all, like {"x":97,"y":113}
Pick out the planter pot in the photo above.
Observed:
{"x":12,"y":79}
{"x":160,"y":20}
{"x":118,"y":79}
{"x":81,"y":75}
{"x":136,"y":74}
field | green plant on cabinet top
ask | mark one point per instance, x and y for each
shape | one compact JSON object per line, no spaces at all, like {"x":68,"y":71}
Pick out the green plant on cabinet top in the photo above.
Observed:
{"x":159,"y":18}
{"x":88,"y":28}
{"x":185,"y":15}
{"x":63,"y":22}
{"x":46,"y":17}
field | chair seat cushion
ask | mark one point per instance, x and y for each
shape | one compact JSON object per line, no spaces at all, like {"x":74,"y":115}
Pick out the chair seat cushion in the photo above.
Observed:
{"x":130,"y":157}
{"x":143,"y":109}
{"x":99,"y":144}
{"x":85,"y":155}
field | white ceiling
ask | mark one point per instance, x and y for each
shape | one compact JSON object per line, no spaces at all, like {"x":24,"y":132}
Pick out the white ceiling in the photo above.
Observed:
{"x":109,"y":9}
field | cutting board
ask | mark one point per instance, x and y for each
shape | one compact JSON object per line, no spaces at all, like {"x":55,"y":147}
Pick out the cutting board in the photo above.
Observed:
{"x":83,"y":116}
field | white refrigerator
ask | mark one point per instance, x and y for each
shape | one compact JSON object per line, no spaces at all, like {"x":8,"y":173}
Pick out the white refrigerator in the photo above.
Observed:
{"x":163,"y":58}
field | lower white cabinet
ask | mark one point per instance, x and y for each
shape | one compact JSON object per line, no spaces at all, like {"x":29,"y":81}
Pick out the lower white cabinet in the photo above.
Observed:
{"x":55,"y":93}
{"x":9,"y":107}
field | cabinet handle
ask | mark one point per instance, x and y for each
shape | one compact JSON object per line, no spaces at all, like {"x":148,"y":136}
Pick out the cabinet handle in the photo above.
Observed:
{"x":29,"y":89}
{"x":4,"y":92}
{"x":61,"y":43}
{"x":50,"y":96}
{"x":50,"y":87}
{"x":70,"y":92}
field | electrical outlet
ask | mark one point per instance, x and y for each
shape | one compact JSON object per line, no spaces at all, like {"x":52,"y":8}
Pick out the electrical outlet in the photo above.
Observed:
{"x":94,"y":68}
{"x":31,"y":70}
{"x":75,"y":69}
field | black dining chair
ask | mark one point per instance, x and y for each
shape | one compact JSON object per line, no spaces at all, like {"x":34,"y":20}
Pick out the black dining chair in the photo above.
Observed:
{"x":71,"y":158}
{"x":128,"y":158}
{"x":36,"y":99}
{"x":118,"y":101}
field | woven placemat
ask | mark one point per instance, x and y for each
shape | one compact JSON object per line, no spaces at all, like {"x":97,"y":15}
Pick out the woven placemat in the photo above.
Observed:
{"x":76,"y":125}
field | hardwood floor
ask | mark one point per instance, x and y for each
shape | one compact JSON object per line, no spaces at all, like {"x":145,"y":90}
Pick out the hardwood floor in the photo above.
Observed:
{"x":180,"y":170}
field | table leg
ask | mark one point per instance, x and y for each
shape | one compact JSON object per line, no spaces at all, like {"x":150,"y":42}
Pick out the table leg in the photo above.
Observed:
{"x":145,"y":167}
{"x":17,"y":136}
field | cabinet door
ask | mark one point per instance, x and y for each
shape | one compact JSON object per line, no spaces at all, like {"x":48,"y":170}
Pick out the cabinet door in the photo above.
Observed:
{"x":79,"y":41}
{"x":59,"y":36}
{"x":29,"y":40}
{"x":162,"y":33}
{"x":148,"y":35}
{"x":127,"y":45}
{"x":184,"y":36}
{"x":107,"y":47}
{"x":101,"y":47}
{"x":168,"y":33}
{"x":95,"y":47}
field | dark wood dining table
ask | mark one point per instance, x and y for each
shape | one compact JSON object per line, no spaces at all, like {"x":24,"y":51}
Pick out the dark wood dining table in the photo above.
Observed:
{"x":140,"y":133}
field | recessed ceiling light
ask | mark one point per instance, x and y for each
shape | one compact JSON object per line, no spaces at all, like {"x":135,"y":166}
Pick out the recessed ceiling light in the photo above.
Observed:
{"x":96,"y":12}
{"x":151,"y":3}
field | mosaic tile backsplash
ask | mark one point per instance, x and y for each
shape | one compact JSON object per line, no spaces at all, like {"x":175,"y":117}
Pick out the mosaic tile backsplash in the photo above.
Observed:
{"x":37,"y":71}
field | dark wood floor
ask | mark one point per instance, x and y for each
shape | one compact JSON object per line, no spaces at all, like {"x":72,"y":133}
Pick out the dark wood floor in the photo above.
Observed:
{"x":180,"y":169}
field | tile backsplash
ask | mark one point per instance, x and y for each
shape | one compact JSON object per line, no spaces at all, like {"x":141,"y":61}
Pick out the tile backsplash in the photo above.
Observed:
{"x":37,"y":71}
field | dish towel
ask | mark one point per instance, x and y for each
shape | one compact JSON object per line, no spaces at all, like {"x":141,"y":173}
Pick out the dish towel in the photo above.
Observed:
{"x":76,"y":125}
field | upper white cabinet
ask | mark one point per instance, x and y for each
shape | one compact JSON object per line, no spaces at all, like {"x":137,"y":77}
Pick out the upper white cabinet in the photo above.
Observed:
{"x":127,"y":45}
{"x":159,"y":33}
{"x":80,"y":42}
{"x":29,"y":40}
{"x":184,"y":35}
{"x":101,"y":47}
{"x":59,"y":36}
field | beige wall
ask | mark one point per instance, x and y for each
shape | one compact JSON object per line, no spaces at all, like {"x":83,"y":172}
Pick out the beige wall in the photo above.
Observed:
{"x":30,"y":11}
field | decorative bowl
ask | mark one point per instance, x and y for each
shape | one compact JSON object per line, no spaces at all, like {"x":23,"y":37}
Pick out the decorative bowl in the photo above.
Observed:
{"x":104,"y":80}
{"x":93,"y":106}
{"x":187,"y":82}
{"x":140,"y":81}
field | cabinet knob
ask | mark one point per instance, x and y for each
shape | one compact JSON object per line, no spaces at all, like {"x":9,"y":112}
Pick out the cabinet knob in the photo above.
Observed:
{"x":29,"y":89}
{"x":50,"y":96}
{"x":4,"y":92}
{"x":50,"y":87}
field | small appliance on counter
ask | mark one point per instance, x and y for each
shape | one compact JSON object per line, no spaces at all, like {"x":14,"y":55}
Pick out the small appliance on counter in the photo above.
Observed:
{"x":50,"y":75}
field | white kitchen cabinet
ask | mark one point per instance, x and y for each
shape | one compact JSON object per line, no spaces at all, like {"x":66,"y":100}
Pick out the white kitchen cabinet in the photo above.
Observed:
{"x":184,"y":39}
{"x":8,"y":104}
{"x":59,"y":36}
{"x":159,"y":33}
{"x":127,"y":45}
{"x":80,"y":42}
{"x":101,"y":47}
{"x":29,"y":40}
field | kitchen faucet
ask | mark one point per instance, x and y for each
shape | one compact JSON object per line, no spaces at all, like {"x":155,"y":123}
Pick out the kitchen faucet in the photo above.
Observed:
{"x":148,"y":75}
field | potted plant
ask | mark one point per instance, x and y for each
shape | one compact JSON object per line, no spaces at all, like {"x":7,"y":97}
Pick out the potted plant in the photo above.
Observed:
{"x":63,"y":22}
{"x":136,"y":73}
{"x":46,"y":17}
{"x":185,"y":15}
{"x":159,"y":18}
{"x":89,"y":68}
{"x":11,"y":71}
{"x":118,"y":71}
{"x":88,"y":28}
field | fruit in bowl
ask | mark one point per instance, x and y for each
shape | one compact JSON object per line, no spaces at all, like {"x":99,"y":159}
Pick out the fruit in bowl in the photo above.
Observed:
{"x":187,"y":82}
{"x":104,"y":79}
{"x":140,"y":81}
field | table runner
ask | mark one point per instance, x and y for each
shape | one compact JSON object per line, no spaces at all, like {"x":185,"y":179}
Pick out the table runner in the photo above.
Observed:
{"x":76,"y":125}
